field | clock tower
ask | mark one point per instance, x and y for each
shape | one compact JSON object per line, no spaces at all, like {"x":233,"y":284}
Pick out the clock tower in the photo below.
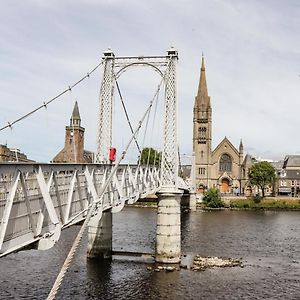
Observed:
{"x":73,"y":151}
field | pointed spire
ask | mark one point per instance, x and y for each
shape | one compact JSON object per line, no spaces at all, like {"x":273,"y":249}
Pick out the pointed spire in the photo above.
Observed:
{"x":202,"y":88}
{"x":202,"y":97}
{"x":241,"y":147}
{"x":75,"y":118}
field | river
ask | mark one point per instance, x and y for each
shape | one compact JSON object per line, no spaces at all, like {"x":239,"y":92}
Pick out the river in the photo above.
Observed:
{"x":267,"y":241}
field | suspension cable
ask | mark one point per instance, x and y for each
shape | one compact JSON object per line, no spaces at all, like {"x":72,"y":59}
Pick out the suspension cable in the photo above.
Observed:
{"x":44,"y":105}
{"x":78,"y":238}
{"x":126,"y":114}
{"x":151,"y":135}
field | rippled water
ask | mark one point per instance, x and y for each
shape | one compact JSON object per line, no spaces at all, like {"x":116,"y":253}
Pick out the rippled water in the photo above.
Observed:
{"x":268,"y":242}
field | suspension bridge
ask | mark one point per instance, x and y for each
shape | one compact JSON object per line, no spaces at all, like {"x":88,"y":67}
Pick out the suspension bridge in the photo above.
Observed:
{"x":39,"y":200}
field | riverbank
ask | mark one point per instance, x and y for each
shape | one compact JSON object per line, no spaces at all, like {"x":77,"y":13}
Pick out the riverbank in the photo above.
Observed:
{"x":238,"y":203}
{"x":266,"y":203}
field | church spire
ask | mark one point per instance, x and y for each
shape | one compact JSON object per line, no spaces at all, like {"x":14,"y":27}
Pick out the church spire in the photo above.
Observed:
{"x":202,"y":88}
{"x":75,"y":118}
{"x":241,"y":147}
{"x":202,"y":95}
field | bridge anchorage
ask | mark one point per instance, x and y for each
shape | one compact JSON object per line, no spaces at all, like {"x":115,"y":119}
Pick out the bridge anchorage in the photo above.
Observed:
{"x":37,"y":201}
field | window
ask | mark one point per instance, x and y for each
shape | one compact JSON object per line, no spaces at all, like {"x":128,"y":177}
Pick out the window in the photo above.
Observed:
{"x":202,"y":135}
{"x":282,"y":183}
{"x":225,"y":163}
{"x":201,"y":171}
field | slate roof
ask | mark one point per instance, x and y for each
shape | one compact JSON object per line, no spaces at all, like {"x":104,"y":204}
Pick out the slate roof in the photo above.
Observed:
{"x":75,"y":114}
{"x":291,"y":161}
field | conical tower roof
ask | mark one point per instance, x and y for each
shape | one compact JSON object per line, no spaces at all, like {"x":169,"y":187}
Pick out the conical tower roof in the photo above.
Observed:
{"x":241,"y":147}
{"x":75,"y":114}
{"x":202,"y":95}
{"x":202,"y":88}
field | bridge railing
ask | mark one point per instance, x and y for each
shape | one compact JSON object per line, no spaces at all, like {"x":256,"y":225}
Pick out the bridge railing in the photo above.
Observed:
{"x":38,"y":200}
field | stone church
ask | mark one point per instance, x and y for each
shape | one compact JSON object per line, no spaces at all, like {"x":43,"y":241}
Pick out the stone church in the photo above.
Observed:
{"x":224,"y":167}
{"x":73,"y":151}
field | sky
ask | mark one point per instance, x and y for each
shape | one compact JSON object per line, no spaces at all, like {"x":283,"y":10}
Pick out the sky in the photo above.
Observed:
{"x":252,"y":57}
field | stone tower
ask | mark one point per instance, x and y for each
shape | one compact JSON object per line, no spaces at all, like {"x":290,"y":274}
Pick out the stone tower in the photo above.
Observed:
{"x":202,"y":132}
{"x":73,"y":151}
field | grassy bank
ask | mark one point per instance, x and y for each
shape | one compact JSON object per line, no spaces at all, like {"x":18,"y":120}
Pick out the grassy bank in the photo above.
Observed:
{"x":148,"y":203}
{"x":267,"y":203}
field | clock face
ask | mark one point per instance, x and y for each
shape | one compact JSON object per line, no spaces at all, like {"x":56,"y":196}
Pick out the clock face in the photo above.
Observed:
{"x":72,"y":133}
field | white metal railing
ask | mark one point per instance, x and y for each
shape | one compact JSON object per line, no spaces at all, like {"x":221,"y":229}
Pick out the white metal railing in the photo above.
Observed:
{"x":38,"y":200}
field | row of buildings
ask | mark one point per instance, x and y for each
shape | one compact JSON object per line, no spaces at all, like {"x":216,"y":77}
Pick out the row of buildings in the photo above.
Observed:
{"x":225,"y":167}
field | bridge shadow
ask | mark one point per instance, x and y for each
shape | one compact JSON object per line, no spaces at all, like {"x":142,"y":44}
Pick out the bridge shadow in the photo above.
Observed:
{"x":185,"y":224}
{"x":98,"y":278}
{"x":117,"y":279}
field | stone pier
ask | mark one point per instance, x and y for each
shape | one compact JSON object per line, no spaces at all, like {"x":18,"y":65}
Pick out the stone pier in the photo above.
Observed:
{"x":100,"y":236}
{"x":192,"y":202}
{"x":168,"y":231}
{"x":189,"y":201}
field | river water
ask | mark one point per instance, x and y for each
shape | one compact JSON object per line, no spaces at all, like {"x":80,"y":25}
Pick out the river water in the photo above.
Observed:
{"x":268,"y":242}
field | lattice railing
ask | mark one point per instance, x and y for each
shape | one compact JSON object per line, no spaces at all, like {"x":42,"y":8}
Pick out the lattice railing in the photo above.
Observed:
{"x":38,"y":200}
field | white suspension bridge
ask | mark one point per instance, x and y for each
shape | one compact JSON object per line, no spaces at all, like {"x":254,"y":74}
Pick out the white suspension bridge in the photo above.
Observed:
{"x":38,"y":200}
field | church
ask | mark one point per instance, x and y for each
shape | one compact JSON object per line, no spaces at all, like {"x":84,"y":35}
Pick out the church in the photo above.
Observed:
{"x":224,"y":167}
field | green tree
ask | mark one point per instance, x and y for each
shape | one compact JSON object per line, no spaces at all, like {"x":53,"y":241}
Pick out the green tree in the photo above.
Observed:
{"x":150,"y":156}
{"x":262,"y":174}
{"x":212,"y":198}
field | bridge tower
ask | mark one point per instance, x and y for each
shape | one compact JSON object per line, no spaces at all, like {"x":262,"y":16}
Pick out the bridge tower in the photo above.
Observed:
{"x":168,"y":231}
{"x":100,"y":225}
{"x":104,"y":134}
{"x":168,"y":237}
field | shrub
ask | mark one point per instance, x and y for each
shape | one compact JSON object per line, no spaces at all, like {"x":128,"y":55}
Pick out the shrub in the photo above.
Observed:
{"x":257,"y":198}
{"x":212,"y":198}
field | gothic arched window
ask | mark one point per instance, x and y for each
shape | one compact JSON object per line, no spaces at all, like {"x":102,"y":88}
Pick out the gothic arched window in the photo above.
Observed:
{"x":225,"y":163}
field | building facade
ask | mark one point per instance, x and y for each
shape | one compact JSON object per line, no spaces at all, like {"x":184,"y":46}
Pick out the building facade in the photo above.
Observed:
{"x":73,"y":151}
{"x":12,"y":155}
{"x":289,"y":176}
{"x":224,"y":167}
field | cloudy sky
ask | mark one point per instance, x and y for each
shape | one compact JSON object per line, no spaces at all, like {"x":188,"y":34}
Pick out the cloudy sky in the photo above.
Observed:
{"x":251,"y":49}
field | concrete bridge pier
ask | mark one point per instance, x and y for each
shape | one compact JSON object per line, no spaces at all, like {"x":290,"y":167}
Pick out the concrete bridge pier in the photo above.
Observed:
{"x":168,"y":230}
{"x":100,"y":236}
{"x":189,"y":201}
{"x":192,"y":201}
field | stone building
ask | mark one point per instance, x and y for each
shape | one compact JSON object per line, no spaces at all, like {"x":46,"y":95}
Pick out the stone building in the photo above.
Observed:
{"x":223,"y":167}
{"x":73,"y":151}
{"x":12,"y":155}
{"x":289,"y":176}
